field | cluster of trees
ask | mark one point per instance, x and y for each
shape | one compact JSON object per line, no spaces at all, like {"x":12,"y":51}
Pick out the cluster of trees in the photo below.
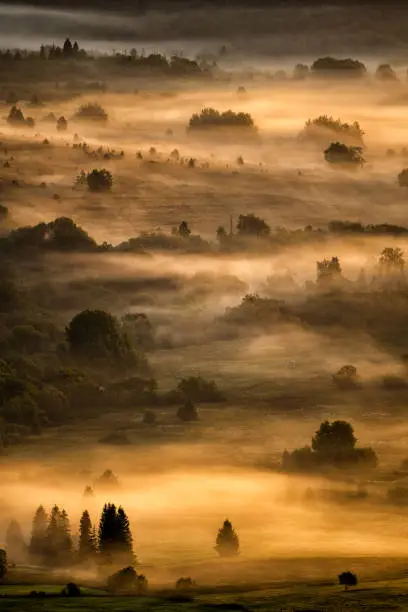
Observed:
{"x":341,"y":155}
{"x":91,"y":111}
{"x":210,"y":118}
{"x":324,"y":127}
{"x":16,"y":118}
{"x":333,"y":445}
{"x":343,"y":66}
{"x":51,"y":543}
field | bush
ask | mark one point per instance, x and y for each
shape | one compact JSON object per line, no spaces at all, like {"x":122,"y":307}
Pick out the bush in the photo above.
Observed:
{"x":62,"y":124}
{"x":210,"y":118}
{"x":92,"y":112}
{"x":185,"y":584}
{"x":347,"y":377}
{"x":342,"y":155}
{"x":128,"y":581}
{"x":99,"y":180}
{"x":227,"y":542}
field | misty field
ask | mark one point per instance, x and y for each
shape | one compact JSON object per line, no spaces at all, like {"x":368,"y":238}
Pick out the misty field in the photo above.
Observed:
{"x":203,"y":332}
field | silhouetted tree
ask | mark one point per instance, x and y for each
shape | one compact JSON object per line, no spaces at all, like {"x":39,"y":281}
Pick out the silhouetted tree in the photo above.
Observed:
{"x":62,"y":124}
{"x":251,"y":225}
{"x":300,"y":72}
{"x":185,"y":584}
{"x":325,"y":127}
{"x":403,"y":178}
{"x":348,"y":579}
{"x":347,"y":377}
{"x":183,"y":230}
{"x":221,"y":234}
{"x":97,"y":334}
{"x":188,"y":412}
{"x":392,"y":261}
{"x":328,"y":270}
{"x":67,"y":48}
{"x":87,"y":544}
{"x":99,"y":180}
{"x":384,"y":72}
{"x":37,"y":544}
{"x":71,"y":590}
{"x":334,"y":436}
{"x":15,"y":545}
{"x":210,"y":118}
{"x":91,"y":112}
{"x":115,"y":538}
{"x":343,"y":67}
{"x":16,"y":117}
{"x":108,"y":480}
{"x":227,"y":542}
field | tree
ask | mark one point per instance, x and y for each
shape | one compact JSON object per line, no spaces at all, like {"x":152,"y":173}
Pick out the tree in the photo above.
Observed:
{"x":99,"y":180}
{"x":324,"y":127}
{"x":342,"y":155}
{"x":328,"y":270}
{"x":71,"y":590}
{"x":67,"y":50}
{"x":16,"y":117}
{"x":227,"y":542}
{"x":348,"y":579}
{"x":343,"y":67}
{"x":210,"y":118}
{"x":96,"y":334}
{"x":301,"y":72}
{"x":87,"y":544}
{"x":183,"y":230}
{"x":251,"y":225}
{"x":188,"y":412}
{"x":221,"y":234}
{"x":37,"y":544}
{"x":91,"y":112}
{"x":185,"y":584}
{"x":62,"y":124}
{"x":403,"y":178}
{"x":384,"y":72}
{"x":115,"y":538}
{"x":392,"y":261}
{"x":15,"y":545}
{"x":198,"y":389}
{"x":139,"y":329}
{"x":347,"y":377}
{"x":334,"y":436}
{"x":3,"y":563}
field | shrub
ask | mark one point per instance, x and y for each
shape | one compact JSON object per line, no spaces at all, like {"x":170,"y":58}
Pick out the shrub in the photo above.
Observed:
{"x":91,"y":112}
{"x":347,"y":579}
{"x":185,"y":584}
{"x":342,"y":155}
{"x":128,"y":581}
{"x":210,"y":118}
{"x":99,"y":180}
{"x":62,"y":124}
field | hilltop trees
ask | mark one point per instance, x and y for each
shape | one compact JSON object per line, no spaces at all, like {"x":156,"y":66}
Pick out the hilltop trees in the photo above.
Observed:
{"x":328,"y":270}
{"x":324,"y":127}
{"x":16,"y":118}
{"x":251,"y":225}
{"x":227,"y":541}
{"x":92,"y":111}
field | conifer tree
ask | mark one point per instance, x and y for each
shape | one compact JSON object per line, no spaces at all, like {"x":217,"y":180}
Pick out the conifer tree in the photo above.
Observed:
{"x":64,"y":537}
{"x":115,"y":538}
{"x":38,"y":534}
{"x":87,"y":539}
{"x":227,"y":542}
{"x":124,"y":536}
{"x":107,"y":531}
{"x":15,"y":545}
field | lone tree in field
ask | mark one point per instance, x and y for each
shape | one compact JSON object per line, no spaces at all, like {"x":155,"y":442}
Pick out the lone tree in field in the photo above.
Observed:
{"x":348,"y":579}
{"x":341,"y":155}
{"x":227,"y":542}
{"x":188,"y":412}
{"x":99,"y":180}
{"x":91,"y":112}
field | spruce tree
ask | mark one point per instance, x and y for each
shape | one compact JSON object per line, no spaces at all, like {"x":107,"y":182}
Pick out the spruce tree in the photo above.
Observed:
{"x":124,"y":536}
{"x":15,"y":545}
{"x":52,"y":537}
{"x":87,"y":544}
{"x":38,"y":535}
{"x":64,"y":537}
{"x":107,"y":533}
{"x":227,"y":542}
